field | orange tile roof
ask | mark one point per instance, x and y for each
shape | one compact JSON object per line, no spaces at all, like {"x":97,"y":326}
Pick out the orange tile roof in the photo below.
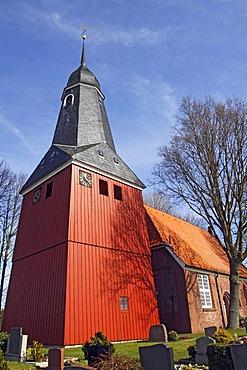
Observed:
{"x":194,"y":246}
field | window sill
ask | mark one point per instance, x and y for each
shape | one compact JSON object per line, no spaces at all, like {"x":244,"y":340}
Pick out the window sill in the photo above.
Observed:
{"x":209,"y":309}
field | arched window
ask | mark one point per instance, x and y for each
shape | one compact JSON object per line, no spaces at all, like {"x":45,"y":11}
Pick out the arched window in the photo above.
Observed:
{"x":68,"y":100}
{"x":226,"y":301}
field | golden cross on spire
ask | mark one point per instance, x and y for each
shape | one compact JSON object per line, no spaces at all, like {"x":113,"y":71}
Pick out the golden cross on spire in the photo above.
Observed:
{"x":83,"y":32}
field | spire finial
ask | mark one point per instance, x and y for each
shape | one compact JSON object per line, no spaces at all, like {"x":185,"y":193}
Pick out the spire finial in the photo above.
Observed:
{"x":83,"y":56}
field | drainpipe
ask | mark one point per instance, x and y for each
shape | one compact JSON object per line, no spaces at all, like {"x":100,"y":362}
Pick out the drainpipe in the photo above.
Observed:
{"x":218,"y":292}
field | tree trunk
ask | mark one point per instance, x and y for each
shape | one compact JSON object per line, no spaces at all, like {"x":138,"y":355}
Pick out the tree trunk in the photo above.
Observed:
{"x":234,"y":295}
{"x":5,"y":262}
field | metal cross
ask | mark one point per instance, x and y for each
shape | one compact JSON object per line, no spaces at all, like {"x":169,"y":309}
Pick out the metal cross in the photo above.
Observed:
{"x":83,"y":33}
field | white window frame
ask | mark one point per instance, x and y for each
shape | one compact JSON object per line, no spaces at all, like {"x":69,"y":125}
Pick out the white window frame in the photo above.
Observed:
{"x":65,"y":99}
{"x":205,"y":292}
{"x":124,"y":304}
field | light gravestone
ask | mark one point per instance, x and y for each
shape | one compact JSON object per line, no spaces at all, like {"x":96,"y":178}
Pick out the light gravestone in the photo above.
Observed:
{"x":239,"y":356}
{"x":158,"y":333}
{"x":156,"y":357}
{"x":209,"y":331}
{"x":201,"y":350}
{"x":16,"y":346}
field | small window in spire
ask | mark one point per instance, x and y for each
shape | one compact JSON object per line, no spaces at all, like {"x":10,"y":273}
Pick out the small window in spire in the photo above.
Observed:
{"x":101,"y":153}
{"x":68,"y":100}
{"x":42,"y":163}
{"x":52,"y":155}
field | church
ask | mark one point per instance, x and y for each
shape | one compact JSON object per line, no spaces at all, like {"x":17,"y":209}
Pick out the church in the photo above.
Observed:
{"x":90,"y":257}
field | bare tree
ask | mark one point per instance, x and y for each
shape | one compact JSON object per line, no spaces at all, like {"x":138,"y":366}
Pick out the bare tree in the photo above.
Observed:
{"x":10,"y":203}
{"x":161,"y":202}
{"x":205,"y":166}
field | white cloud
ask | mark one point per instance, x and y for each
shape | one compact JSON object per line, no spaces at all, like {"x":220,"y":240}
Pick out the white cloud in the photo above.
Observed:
{"x":105,"y":34}
{"x":148,"y":125}
{"x":118,"y":35}
{"x":59,"y":22}
{"x":17,"y":133}
{"x":154,"y":96}
{"x":27,"y":17}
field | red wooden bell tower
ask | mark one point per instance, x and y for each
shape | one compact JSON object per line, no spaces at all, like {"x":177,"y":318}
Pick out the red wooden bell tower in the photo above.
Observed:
{"x":81,"y":262}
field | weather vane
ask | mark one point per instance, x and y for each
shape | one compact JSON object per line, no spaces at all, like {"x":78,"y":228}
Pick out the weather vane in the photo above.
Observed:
{"x":83,"y":33}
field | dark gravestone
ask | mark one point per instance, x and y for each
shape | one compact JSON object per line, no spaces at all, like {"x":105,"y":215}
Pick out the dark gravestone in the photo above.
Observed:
{"x":56,"y":359}
{"x":239,"y":356}
{"x":209,"y":332}
{"x":201,"y":350}
{"x":17,"y":345}
{"x":245,"y":324}
{"x":158,"y":333}
{"x":156,"y":357}
{"x":15,"y":341}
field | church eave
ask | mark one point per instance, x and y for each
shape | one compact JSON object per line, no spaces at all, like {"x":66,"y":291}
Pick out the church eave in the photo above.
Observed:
{"x":83,"y":84}
{"x":100,"y":171}
{"x":27,"y":189}
{"x":84,"y":165}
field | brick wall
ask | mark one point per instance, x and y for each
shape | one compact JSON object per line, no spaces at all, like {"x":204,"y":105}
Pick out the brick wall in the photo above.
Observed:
{"x":179,"y":301}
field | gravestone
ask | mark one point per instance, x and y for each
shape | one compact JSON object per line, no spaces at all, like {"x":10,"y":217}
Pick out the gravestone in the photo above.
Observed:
{"x":16,"y":346}
{"x":239,"y":356}
{"x":56,"y":359}
{"x":156,"y":357}
{"x":201,"y":350}
{"x":158,"y":333}
{"x":209,"y":331}
{"x":245,"y":324}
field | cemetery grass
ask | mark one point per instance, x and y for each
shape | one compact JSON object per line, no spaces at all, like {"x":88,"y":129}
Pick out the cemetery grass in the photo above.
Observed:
{"x":19,"y":366}
{"x":130,"y":349}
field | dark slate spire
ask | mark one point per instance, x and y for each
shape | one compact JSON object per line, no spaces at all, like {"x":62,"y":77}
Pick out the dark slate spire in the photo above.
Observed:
{"x":83,"y":132}
{"x":83,"y":119}
{"x":83,"y":55}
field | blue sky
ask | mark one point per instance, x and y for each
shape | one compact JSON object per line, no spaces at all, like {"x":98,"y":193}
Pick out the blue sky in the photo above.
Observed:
{"x":146,"y":54}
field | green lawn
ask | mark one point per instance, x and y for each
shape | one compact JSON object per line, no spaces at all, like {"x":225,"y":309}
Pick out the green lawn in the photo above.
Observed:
{"x":130,"y":349}
{"x":19,"y":366}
